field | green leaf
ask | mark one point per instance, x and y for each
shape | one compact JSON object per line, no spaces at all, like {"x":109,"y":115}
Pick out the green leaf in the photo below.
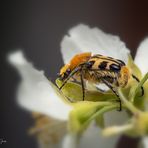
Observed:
{"x":74,"y":92}
{"x":140,"y":84}
{"x":139,"y":100}
{"x":81,"y":113}
{"x":135,"y":93}
{"x":135,"y":87}
{"x":71,"y":90}
{"x":145,"y":85}
{"x":85,"y":112}
{"x":61,"y":96}
{"x":133,"y":67}
{"x":100,"y":121}
{"x":140,"y":124}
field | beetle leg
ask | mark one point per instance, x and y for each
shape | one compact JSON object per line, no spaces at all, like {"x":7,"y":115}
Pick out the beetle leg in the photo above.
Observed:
{"x":82,"y":84}
{"x":114,"y":91}
{"x":142,"y":89}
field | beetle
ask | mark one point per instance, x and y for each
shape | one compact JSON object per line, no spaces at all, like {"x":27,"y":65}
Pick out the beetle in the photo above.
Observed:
{"x":97,"y":69}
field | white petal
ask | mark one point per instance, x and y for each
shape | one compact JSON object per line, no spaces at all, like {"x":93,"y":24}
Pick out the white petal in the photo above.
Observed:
{"x":85,"y":39}
{"x":35,"y":92}
{"x":115,"y":118}
{"x":145,"y":142}
{"x":141,"y":58}
{"x":70,"y":141}
{"x":92,"y":138}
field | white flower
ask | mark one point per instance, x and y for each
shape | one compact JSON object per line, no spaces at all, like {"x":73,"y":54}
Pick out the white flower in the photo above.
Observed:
{"x":141,"y":58}
{"x":145,"y":142}
{"x":84,"y":39}
{"x":36,"y":93}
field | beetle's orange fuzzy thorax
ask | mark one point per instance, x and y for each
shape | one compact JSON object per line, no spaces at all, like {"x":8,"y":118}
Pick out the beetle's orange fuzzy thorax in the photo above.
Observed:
{"x":79,"y":59}
{"x":76,"y":61}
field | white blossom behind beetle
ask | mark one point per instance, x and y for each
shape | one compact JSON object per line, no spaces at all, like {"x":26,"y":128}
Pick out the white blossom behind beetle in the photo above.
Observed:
{"x":85,"y":39}
{"x":141,"y":58}
{"x":37,"y":93}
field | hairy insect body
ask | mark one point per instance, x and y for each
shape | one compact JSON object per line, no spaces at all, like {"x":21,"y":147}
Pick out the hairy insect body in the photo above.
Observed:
{"x":75,"y":62}
{"x":113,"y":71}
{"x":97,"y":69}
{"x":124,"y":76}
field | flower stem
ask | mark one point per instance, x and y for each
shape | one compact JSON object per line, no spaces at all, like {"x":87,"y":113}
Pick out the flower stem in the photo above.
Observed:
{"x":127,"y":103}
{"x":100,"y":112}
{"x":139,"y":86}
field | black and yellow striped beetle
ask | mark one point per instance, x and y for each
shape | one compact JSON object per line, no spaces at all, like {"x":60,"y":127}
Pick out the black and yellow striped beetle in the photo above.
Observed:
{"x":97,"y":68}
